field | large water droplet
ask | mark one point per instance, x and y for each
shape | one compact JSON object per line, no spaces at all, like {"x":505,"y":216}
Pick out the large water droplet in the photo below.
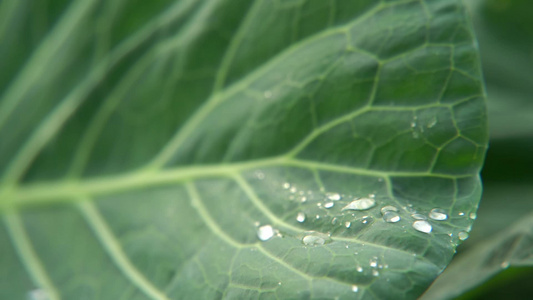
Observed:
{"x":355,"y":288}
{"x":329,"y":204}
{"x":300,"y":217}
{"x":438,"y":214}
{"x":462,"y":235}
{"x":313,"y":240}
{"x":334,"y":196}
{"x":360,"y":204}
{"x":265,"y":232}
{"x":387,"y":208}
{"x":422,"y":226}
{"x":391,"y":217}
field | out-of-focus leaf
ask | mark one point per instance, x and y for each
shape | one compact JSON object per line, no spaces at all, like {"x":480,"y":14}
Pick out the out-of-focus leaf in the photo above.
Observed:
{"x":511,"y":247}
{"x":504,"y":29}
{"x":213,"y":149}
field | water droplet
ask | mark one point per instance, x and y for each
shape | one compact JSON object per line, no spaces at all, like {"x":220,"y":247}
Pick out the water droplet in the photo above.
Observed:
{"x":391,"y":217}
{"x":473,"y":216}
{"x":286,"y":185}
{"x":347,"y":224}
{"x":303,"y":199}
{"x":265,"y":232}
{"x":438,"y":214}
{"x":359,"y":269}
{"x":334,"y":221}
{"x":300,"y":217}
{"x":418,"y":216}
{"x":333,"y":196}
{"x":317,"y":217}
{"x":463,"y":235}
{"x":371,"y":195}
{"x":360,"y":204}
{"x":505,"y":264}
{"x":279,"y":282}
{"x":375,"y":273}
{"x":38,"y":294}
{"x":313,"y":240}
{"x":366,"y":219}
{"x":293,"y":190}
{"x":329,"y":204}
{"x":461,"y":213}
{"x":373,"y":262}
{"x":387,"y":208}
{"x":256,"y":223}
{"x":422,"y":226}
{"x":355,"y":288}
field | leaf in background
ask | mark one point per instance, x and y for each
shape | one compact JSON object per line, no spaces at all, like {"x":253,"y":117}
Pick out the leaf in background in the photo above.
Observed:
{"x":212,"y":149}
{"x":510,"y":248}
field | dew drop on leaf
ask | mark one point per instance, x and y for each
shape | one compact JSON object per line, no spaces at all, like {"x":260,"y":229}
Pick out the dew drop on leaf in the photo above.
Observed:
{"x":329,"y":204}
{"x":265,"y":232}
{"x":355,"y":288}
{"x":387,"y":208}
{"x":418,"y":216}
{"x":463,"y":235}
{"x":473,"y":216}
{"x":391,"y":217}
{"x":422,"y":226}
{"x":438,"y":214}
{"x":334,"y":196}
{"x":360,"y":204}
{"x":313,"y":240}
{"x":347,"y":224}
{"x":300,"y":217}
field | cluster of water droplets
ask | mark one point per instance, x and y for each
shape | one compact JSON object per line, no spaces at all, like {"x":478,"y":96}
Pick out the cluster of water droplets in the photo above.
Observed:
{"x":418,"y":128}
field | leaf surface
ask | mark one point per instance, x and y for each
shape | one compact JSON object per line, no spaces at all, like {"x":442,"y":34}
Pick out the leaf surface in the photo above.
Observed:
{"x":213,"y":149}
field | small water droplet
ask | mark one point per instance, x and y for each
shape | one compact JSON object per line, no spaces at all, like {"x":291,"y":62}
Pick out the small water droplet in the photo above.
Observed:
{"x":418,"y":216}
{"x":303,"y":199}
{"x":347,"y":224}
{"x":334,"y":196}
{"x":359,"y":269}
{"x":375,"y":273}
{"x":360,"y":204}
{"x":463,"y":235}
{"x":387,"y":208}
{"x":391,"y":217}
{"x":422,"y":226}
{"x":38,"y":294}
{"x":293,"y":190}
{"x":300,"y":217}
{"x":286,"y":185}
{"x":265,"y":232}
{"x":505,"y":264}
{"x":317,"y":217}
{"x":329,"y":204}
{"x":461,"y":213}
{"x":473,"y":216}
{"x":313,"y":240}
{"x":366,"y":219}
{"x":334,"y":221}
{"x":355,"y":288}
{"x":438,"y":214}
{"x":371,"y":195}
{"x":373,"y":262}
{"x":279,"y":282}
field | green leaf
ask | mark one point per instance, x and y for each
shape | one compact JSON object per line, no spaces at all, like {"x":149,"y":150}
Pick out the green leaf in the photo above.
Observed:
{"x":212,"y":149}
